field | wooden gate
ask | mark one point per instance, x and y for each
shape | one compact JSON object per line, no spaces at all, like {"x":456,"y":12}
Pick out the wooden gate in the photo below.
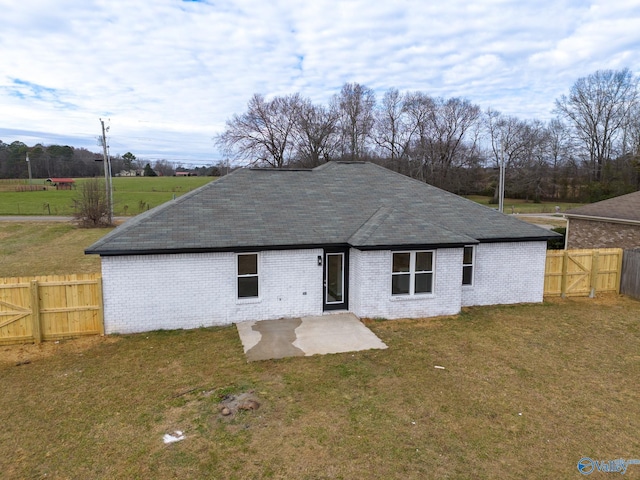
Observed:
{"x":33,"y":309}
{"x":582,"y":273}
{"x":630,"y":281}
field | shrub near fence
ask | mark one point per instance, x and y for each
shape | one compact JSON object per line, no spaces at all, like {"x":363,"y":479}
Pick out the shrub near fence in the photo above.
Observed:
{"x":51,"y":307}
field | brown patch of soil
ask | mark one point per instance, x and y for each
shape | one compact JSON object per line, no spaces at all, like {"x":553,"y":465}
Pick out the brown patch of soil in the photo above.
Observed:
{"x":232,"y":404}
{"x":606,"y":299}
{"x":29,"y":352}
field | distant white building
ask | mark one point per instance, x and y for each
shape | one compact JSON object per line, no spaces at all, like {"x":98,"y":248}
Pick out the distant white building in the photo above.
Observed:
{"x":128,"y":173}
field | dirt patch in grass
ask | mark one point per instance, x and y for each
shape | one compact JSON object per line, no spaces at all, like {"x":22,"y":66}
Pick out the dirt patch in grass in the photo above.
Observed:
{"x":31,"y":352}
{"x":526,"y":390}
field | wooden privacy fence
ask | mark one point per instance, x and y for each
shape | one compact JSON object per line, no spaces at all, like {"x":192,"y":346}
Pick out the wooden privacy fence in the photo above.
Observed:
{"x":630,"y":281}
{"x":582,"y":273}
{"x":51,"y":307}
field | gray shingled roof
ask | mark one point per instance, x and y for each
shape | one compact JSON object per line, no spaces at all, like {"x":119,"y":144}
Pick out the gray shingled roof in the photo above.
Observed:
{"x":624,"y":207}
{"x":339,"y":203}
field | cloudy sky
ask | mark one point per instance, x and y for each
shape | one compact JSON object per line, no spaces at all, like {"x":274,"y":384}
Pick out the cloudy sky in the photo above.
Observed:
{"x":167,"y":74}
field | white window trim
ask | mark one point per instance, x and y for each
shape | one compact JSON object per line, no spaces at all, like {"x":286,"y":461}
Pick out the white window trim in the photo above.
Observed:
{"x":240,"y":299}
{"x":472,"y":265}
{"x":412,"y":275}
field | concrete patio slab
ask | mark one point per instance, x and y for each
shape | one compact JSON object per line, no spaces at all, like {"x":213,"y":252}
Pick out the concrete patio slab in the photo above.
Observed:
{"x":320,"y":335}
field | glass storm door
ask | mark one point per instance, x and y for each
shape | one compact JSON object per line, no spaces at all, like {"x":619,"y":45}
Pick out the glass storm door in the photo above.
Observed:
{"x":335,"y":275}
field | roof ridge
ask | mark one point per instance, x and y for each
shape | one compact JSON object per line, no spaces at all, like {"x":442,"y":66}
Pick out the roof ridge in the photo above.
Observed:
{"x":278,"y":170}
{"x":372,"y":223}
{"x":324,"y":166}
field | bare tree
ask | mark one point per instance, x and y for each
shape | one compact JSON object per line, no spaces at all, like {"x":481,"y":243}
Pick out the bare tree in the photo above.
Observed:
{"x":264,"y":134}
{"x":598,"y":107}
{"x":315,"y":133}
{"x":393,"y":127}
{"x":530,"y":177}
{"x":447,"y":132}
{"x":561,"y":159}
{"x":630,"y":141}
{"x":419,"y":107}
{"x":521,"y":145}
{"x":163,"y":168}
{"x":356,"y":105}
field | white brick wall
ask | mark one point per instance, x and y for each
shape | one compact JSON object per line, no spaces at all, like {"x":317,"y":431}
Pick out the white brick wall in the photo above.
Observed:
{"x":371,"y":287}
{"x":150,"y":292}
{"x":507,"y":273}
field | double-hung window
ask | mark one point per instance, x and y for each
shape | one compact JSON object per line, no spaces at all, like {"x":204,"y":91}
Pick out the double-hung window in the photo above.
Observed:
{"x":467,"y":265}
{"x":247,"y":275}
{"x":412,"y":273}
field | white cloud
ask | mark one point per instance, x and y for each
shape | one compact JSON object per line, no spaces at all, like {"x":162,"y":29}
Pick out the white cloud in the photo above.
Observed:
{"x":169,"y":73}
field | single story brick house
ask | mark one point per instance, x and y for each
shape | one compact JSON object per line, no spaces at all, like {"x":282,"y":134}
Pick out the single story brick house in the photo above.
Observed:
{"x":262,"y":244}
{"x":612,"y":223}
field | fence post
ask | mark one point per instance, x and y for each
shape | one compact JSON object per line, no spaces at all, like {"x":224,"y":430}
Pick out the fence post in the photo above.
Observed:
{"x":100,"y":304}
{"x":619,"y":276}
{"x":593,"y":283}
{"x":35,"y":312}
{"x":563,"y":281}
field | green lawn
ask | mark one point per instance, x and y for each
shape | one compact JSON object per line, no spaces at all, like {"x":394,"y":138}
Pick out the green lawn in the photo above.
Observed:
{"x":515,"y":205}
{"x":34,"y":248}
{"x":526,"y":392}
{"x":132,"y":195}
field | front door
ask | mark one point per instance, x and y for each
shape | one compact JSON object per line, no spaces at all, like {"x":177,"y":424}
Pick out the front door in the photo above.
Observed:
{"x":336,"y":280}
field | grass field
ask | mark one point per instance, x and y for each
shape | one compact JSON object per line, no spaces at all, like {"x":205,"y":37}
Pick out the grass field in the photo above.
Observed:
{"x":132,"y":195}
{"x":526,"y":392}
{"x":34,"y":248}
{"x":515,"y":205}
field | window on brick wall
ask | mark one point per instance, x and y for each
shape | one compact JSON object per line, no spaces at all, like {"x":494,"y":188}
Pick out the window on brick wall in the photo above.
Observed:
{"x":468,"y":258}
{"x":412,"y":273}
{"x":247,"y":275}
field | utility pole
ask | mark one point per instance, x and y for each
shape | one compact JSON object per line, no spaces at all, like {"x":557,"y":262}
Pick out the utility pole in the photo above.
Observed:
{"x":501,"y":181}
{"x":107,"y":174}
{"x":29,"y":167}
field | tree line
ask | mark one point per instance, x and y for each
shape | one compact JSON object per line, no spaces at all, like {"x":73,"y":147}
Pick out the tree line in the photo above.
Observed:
{"x":65,"y":161}
{"x":589,"y":151}
{"x":47,"y":161}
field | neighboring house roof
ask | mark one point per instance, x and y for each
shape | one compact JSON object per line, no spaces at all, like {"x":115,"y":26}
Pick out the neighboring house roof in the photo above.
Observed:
{"x":339,"y":203}
{"x":60,"y":180}
{"x":622,"y":209}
